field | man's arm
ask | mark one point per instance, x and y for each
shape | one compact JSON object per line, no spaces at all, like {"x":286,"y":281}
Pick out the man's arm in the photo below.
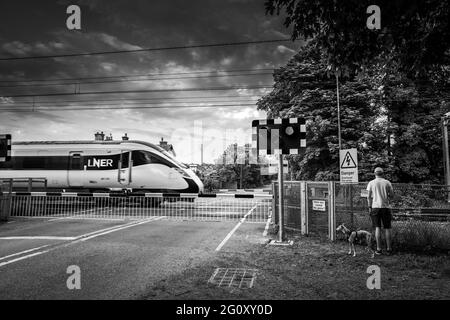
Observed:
{"x":390,"y":192}
{"x":369,"y":197}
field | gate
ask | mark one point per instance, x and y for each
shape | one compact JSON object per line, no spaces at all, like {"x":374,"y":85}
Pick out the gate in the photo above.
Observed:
{"x":208,"y":207}
{"x":308,"y":207}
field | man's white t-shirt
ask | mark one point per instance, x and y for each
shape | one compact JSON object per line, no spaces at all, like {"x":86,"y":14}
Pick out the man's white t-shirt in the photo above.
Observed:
{"x":380,"y":190}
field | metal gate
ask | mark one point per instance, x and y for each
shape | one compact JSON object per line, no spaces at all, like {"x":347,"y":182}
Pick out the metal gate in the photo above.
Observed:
{"x":210,"y":207}
{"x":319,"y":214}
{"x":308,"y":207}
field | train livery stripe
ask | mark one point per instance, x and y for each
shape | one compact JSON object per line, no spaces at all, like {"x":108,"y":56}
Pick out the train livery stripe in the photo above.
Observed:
{"x":126,"y":195}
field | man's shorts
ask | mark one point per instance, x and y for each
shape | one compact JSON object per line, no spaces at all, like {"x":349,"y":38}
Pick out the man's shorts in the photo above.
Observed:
{"x":381,"y":215}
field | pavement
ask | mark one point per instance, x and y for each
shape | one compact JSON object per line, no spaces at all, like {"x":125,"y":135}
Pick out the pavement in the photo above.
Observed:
{"x":117,"y":259}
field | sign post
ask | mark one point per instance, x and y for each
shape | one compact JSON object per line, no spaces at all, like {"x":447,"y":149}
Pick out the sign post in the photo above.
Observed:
{"x":281,"y":198}
{"x":278,"y":137}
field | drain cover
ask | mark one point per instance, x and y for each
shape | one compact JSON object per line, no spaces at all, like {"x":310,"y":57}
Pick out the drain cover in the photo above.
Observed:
{"x":233,"y":277}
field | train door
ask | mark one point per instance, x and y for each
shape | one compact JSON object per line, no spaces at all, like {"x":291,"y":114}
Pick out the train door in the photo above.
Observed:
{"x":76,"y":172}
{"x":125,"y":167}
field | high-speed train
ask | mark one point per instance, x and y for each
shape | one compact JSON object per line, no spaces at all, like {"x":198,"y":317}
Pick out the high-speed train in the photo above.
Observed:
{"x":101,"y":165}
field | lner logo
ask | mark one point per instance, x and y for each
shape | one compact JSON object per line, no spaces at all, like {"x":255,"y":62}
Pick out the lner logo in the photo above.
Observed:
{"x":99,"y":163}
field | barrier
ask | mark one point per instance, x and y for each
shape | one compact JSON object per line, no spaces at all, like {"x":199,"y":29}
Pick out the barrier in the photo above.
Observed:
{"x":180,"y":206}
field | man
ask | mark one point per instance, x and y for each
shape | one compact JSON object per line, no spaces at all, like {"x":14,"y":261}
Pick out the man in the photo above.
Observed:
{"x":380,"y":193}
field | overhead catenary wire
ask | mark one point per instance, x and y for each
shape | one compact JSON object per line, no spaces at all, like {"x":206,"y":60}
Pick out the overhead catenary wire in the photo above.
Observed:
{"x":76,"y":82}
{"x":84,"y":54}
{"x":143,"y":75}
{"x":125,"y":103}
{"x":113,"y":107}
{"x":240,"y":87}
{"x":203,"y":98}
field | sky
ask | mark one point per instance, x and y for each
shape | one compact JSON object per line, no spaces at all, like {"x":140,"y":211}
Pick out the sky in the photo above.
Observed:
{"x":171,"y":107}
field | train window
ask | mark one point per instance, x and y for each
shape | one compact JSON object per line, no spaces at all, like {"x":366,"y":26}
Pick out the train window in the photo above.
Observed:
{"x":33,"y":163}
{"x":75,"y":163}
{"x":141,"y":157}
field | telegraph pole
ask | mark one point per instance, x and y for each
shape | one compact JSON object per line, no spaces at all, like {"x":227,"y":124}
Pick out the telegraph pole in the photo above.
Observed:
{"x":338,"y":111}
{"x":445,"y":122}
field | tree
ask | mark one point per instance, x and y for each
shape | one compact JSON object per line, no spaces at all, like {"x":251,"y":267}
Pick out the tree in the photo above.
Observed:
{"x":303,"y":88}
{"x":226,"y":172}
{"x":415,"y":33}
{"x":392,"y":121}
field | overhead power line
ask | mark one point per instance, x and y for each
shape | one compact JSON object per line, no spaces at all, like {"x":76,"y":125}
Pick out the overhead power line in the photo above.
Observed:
{"x":211,"y":45}
{"x":142,"y":75}
{"x":113,"y":107}
{"x":117,"y":103}
{"x":203,"y":98}
{"x":134,"y":80}
{"x":140,"y":91}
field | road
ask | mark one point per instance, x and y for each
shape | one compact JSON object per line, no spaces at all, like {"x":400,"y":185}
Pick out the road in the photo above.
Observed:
{"x":118,"y":259}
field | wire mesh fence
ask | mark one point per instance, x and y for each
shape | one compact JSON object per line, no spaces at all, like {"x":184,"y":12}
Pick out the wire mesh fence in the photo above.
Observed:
{"x":292,"y":217}
{"x":106,"y":206}
{"x":421,"y":213}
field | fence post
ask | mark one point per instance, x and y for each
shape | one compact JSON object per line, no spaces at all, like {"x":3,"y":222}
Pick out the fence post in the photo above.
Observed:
{"x":5,"y":202}
{"x":274,"y":205}
{"x":303,"y":208}
{"x":331,"y":211}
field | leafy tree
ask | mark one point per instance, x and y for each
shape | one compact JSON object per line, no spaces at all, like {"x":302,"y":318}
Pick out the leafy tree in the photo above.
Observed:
{"x":415,"y":33}
{"x":303,"y":88}
{"x":394,"y":85}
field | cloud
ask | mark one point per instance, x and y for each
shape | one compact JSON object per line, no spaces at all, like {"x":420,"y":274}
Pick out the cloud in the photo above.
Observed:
{"x":124,"y":25}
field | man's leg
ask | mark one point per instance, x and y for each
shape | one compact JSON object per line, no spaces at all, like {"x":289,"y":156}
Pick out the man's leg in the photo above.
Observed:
{"x":387,"y":219}
{"x":378,"y":238}
{"x":388,"y":239}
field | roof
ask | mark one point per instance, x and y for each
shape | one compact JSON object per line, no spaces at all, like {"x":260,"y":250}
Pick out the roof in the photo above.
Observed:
{"x":103,"y":142}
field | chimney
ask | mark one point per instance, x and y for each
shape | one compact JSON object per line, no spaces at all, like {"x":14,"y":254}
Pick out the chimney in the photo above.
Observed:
{"x":125,"y":137}
{"x":99,"y":136}
{"x":163,"y":144}
{"x":108,"y":138}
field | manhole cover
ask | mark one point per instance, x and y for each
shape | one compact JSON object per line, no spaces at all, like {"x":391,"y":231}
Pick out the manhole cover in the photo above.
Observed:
{"x":233,"y":277}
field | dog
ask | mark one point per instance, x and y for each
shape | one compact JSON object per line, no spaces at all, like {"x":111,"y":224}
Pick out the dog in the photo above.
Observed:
{"x":352,"y":236}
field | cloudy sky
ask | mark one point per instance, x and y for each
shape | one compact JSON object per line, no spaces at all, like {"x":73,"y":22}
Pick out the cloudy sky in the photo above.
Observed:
{"x":48,"y":99}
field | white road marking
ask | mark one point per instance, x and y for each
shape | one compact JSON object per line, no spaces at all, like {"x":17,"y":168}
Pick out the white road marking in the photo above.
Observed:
{"x":22,"y":252}
{"x":234,"y":229}
{"x":37,"y":238}
{"x":266,"y":229}
{"x":126,"y":226}
{"x":23,"y":258}
{"x":77,"y":239}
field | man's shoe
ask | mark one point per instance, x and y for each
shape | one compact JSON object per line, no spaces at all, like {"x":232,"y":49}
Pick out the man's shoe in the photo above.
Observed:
{"x":378,"y":252}
{"x":389,"y":252}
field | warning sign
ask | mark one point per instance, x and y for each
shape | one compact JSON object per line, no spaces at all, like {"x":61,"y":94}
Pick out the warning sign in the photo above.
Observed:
{"x":319,"y":205}
{"x":348,"y":162}
{"x":348,"y":159}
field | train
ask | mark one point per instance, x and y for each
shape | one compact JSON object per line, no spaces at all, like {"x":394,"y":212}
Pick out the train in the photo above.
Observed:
{"x":98,"y":166}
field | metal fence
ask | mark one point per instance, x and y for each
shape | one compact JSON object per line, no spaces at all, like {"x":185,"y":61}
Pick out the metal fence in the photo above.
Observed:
{"x":421,"y":213}
{"x":227,"y":207}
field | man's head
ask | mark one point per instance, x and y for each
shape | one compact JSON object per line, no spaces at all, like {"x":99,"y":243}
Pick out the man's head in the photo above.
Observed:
{"x":378,"y":172}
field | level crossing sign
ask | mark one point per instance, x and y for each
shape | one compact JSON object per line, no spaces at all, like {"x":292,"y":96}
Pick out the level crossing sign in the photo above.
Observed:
{"x":348,"y":166}
{"x":5,"y":147}
{"x":278,"y":136}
